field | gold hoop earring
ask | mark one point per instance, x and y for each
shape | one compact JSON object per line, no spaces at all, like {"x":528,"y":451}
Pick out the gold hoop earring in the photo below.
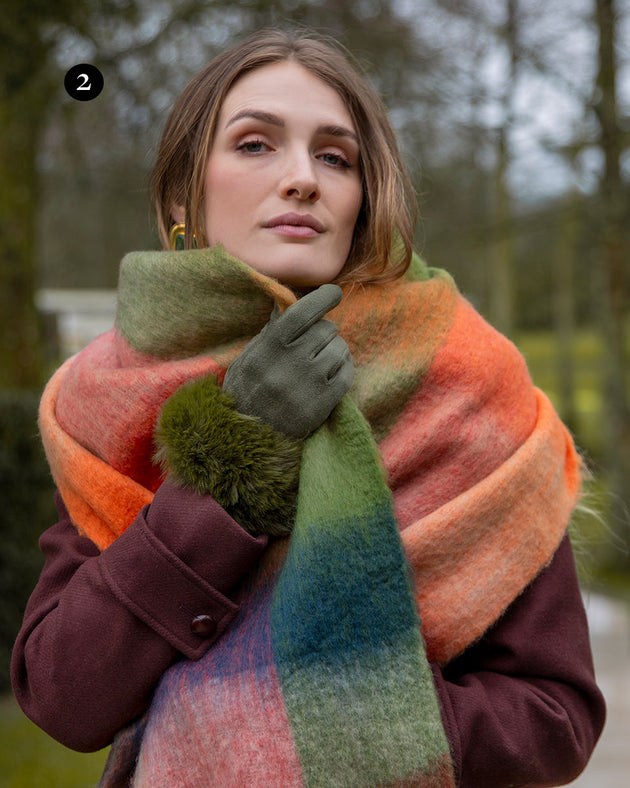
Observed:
{"x":177,"y":236}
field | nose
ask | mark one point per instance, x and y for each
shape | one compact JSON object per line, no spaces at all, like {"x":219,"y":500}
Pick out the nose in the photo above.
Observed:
{"x":299,"y":179}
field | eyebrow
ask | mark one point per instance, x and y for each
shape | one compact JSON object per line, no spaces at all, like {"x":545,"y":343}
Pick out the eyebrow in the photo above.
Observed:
{"x":332,"y":129}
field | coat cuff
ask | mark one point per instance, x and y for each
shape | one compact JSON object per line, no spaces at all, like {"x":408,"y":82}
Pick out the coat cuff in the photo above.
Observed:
{"x":250,"y":469}
{"x":180,"y":605}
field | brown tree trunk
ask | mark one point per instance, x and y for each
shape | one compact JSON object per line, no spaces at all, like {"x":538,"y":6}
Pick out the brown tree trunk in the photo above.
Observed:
{"x":564,"y":311}
{"x":502,"y":284}
{"x":20,"y":334}
{"x":612,"y":270}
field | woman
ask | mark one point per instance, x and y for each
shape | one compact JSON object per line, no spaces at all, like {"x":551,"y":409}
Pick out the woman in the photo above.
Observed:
{"x":347,"y":563}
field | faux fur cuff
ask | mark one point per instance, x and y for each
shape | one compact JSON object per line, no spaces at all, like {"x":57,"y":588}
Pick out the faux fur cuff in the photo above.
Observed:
{"x":251,"y":470}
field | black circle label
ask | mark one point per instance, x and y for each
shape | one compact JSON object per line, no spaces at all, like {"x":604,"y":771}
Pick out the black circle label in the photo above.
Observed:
{"x":83,"y":82}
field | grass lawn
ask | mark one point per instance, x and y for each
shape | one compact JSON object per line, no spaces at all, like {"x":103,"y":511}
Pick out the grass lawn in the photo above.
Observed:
{"x":31,"y":759}
{"x":540,"y":351}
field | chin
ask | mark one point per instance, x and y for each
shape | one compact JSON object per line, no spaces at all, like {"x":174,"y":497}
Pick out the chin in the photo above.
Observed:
{"x":294,"y":264}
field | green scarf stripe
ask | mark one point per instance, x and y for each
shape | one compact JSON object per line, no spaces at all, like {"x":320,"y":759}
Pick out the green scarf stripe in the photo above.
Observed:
{"x":367,"y":722}
{"x":355,"y":482}
{"x":378,"y":383}
{"x":349,"y":654}
{"x":224,"y":302}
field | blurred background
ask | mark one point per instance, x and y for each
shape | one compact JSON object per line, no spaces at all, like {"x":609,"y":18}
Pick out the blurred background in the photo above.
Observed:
{"x":514,"y":118}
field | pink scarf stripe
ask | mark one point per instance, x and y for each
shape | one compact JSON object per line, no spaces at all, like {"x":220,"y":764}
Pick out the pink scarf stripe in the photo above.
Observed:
{"x":99,"y":498}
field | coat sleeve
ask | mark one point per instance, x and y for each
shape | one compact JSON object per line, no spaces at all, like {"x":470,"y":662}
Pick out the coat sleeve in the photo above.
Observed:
{"x":521,"y":706}
{"x":101,"y":628}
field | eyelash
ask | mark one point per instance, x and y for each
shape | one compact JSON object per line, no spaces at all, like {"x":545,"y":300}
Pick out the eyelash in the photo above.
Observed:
{"x":243,"y":146}
{"x":343,"y":163}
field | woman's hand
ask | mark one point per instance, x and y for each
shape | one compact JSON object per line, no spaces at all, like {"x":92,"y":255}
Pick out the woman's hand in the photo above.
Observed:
{"x":297,"y":369}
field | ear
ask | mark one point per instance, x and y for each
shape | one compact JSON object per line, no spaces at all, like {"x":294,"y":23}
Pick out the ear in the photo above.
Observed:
{"x":178,"y":213}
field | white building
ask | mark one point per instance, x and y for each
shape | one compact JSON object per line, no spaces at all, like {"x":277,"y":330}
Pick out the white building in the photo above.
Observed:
{"x":81,"y":315}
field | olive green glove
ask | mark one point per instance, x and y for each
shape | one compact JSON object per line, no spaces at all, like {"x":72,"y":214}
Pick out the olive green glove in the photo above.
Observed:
{"x":293,"y":373}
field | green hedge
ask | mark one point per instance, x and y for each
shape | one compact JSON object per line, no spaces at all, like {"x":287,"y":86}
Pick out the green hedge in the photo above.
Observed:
{"x":26,"y":509}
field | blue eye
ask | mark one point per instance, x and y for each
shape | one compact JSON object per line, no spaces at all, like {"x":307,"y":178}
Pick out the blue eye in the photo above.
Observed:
{"x":252,"y":146}
{"x":335,"y":160}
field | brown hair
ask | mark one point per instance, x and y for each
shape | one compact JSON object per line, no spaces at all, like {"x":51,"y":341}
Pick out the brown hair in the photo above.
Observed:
{"x":383,"y":237}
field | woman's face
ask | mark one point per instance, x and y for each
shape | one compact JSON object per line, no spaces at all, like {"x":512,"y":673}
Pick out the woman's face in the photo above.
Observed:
{"x":283,"y":184}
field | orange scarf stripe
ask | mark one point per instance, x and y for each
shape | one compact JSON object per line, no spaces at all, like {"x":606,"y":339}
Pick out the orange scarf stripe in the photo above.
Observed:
{"x":484,"y":564}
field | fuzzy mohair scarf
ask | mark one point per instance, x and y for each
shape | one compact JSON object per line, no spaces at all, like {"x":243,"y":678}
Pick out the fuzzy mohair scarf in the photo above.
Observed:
{"x":434,"y":493}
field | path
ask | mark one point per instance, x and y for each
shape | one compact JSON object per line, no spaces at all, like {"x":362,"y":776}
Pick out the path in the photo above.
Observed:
{"x":610,"y":634}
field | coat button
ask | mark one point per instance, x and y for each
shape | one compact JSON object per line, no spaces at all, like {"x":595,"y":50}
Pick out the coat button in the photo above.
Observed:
{"x":203,"y":626}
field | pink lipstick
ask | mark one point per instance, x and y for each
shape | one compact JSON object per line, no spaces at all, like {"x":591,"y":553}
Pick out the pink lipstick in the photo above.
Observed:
{"x":295,"y":225}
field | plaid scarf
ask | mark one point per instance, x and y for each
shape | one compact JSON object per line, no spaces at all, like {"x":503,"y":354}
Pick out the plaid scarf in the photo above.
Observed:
{"x":436,"y":491}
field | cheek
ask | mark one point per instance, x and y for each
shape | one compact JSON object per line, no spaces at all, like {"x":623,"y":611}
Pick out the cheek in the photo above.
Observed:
{"x":220,"y":196}
{"x":353,"y":207}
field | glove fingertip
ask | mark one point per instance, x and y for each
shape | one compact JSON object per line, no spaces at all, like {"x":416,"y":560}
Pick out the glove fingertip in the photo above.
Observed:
{"x":332,"y":294}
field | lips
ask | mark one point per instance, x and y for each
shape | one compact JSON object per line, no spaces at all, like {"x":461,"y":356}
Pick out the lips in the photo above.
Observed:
{"x":295,"y":220}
